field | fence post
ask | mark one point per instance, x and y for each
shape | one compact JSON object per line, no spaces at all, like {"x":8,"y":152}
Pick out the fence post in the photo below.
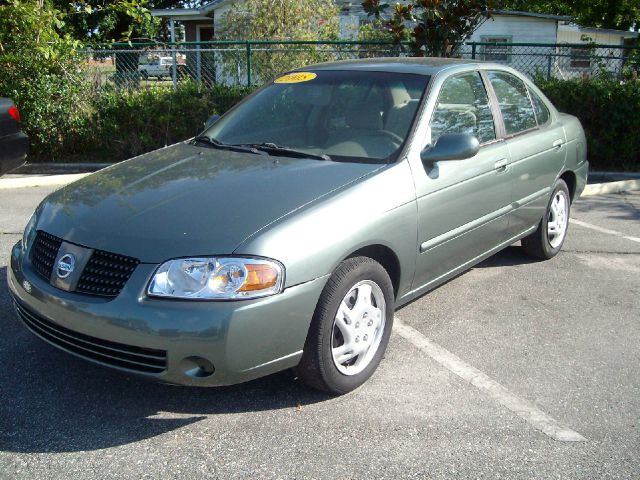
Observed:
{"x":174,"y":75}
{"x":248,"y":63}
{"x":549,"y":67}
{"x":473,"y":50}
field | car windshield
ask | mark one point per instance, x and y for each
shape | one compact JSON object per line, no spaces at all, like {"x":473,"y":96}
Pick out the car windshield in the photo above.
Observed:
{"x":345,"y":115}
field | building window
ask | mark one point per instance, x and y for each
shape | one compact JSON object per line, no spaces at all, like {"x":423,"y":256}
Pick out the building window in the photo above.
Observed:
{"x":580,"y":57}
{"x":496,"y":53}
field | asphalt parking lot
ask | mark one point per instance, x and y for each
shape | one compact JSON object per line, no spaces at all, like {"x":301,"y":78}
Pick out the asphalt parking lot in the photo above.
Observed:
{"x":475,"y":372}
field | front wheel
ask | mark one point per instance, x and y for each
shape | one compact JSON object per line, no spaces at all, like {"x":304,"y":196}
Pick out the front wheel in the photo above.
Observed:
{"x":350,"y":329}
{"x":548,"y":239}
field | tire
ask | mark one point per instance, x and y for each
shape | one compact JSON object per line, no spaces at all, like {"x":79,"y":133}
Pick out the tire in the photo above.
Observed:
{"x":145,"y":75}
{"x":547,"y":240}
{"x":354,"y":314}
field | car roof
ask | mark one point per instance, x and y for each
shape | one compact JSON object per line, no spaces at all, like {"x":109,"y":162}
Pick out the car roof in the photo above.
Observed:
{"x":415,"y":65}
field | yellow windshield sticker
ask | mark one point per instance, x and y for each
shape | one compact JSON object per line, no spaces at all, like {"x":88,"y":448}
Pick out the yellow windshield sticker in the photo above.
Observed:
{"x":297,"y":77}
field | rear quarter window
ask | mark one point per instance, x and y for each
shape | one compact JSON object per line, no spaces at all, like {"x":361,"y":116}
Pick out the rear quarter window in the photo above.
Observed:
{"x":515,"y":105}
{"x":540,"y":109}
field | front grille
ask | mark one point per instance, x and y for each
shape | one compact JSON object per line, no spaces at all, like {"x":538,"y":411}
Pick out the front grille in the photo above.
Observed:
{"x":43,"y":253}
{"x":137,"y":359}
{"x":106,"y":274}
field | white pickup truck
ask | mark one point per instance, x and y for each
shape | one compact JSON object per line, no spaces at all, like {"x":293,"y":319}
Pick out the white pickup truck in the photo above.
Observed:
{"x":158,"y":67}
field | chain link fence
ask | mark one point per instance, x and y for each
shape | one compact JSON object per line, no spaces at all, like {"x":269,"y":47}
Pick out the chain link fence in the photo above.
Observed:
{"x":228,"y":63}
{"x":563,"y":61}
{"x":255,"y":62}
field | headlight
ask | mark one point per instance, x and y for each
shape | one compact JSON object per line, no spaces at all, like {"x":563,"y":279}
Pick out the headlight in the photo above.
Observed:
{"x":29,"y":232}
{"x":222,"y":278}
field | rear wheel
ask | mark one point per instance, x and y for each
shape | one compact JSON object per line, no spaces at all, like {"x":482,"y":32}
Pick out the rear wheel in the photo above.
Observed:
{"x":350,"y":329}
{"x":548,"y":239}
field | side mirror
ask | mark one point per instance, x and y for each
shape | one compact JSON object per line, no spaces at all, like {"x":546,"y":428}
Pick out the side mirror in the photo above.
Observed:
{"x":451,"y":146}
{"x":211,"y":120}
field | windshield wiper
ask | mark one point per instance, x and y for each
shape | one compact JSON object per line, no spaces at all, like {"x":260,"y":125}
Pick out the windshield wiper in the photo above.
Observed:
{"x":273,"y":149}
{"x":225,"y":146}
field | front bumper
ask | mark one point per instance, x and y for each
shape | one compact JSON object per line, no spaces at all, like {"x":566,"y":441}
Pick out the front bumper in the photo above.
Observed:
{"x":242,"y":339}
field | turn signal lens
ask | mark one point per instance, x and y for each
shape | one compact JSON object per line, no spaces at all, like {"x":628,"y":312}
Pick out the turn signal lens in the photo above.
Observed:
{"x":259,"y":277}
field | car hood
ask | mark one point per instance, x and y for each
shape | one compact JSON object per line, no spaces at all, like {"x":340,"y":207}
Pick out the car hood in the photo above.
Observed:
{"x":187,"y":201}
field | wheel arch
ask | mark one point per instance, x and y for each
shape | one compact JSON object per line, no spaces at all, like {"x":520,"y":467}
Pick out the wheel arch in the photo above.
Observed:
{"x":386,"y":257}
{"x":571,"y":180}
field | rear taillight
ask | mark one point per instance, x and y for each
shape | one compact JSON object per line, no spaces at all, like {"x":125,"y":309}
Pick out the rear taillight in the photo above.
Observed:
{"x":13,"y":111}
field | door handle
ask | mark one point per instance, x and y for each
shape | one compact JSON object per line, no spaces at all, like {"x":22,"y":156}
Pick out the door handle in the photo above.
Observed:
{"x":501,"y":165}
{"x":558,"y":144}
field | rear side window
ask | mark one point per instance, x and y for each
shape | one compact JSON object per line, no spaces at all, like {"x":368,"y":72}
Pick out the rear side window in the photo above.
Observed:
{"x":463,"y":107}
{"x":542,"y":112}
{"x":514,"y":101}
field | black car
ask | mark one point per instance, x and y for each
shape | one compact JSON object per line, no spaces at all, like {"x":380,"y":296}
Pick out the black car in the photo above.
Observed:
{"x":13,"y":143}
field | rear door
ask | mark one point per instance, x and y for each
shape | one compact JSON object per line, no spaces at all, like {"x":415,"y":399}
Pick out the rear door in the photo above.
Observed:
{"x":463,"y":204}
{"x":536,"y":143}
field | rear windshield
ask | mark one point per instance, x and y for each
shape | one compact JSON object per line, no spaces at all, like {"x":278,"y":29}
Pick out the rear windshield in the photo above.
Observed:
{"x":348,"y":115}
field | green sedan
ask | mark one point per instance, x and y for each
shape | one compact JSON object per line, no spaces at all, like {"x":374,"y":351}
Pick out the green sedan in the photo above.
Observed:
{"x":287,"y":233}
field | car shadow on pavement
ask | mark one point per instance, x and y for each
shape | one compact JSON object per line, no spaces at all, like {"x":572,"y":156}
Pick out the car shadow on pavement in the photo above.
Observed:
{"x":51,"y":401}
{"x":509,"y":257}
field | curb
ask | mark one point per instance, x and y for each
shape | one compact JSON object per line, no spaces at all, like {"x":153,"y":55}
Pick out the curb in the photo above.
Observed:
{"x":40,"y":181}
{"x":610,"y":187}
{"x":59,"y":168}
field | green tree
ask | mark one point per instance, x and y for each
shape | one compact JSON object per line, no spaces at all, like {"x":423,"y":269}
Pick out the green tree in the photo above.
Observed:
{"x":617,"y":14}
{"x":98,"y":21}
{"x":431,"y":27}
{"x":102,"y":21}
{"x":281,"y":20}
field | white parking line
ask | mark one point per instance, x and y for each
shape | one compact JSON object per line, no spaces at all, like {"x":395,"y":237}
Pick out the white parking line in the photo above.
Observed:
{"x":603,"y":230}
{"x":525,"y":410}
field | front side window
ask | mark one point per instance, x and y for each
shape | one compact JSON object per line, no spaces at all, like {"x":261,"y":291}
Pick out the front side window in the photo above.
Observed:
{"x":348,"y":115}
{"x":463,"y":107}
{"x":514,"y":102}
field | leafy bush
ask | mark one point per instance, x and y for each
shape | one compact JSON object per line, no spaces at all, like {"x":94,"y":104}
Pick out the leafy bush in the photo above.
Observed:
{"x":42,"y":72}
{"x":610,"y":114}
{"x":126,"y":123}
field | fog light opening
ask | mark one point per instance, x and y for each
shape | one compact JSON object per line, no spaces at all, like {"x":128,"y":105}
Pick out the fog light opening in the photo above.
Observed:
{"x":197,"y":367}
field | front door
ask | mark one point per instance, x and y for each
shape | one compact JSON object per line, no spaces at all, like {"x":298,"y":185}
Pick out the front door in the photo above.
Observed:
{"x":463,"y":205}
